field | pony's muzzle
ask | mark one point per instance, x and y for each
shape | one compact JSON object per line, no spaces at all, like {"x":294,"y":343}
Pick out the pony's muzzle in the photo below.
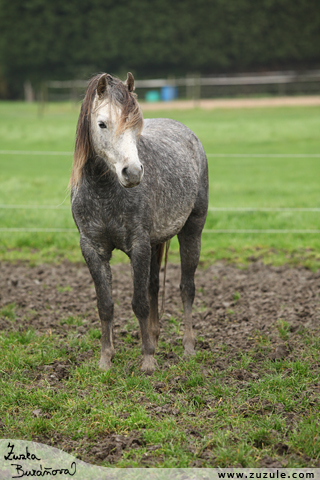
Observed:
{"x":131,"y":175}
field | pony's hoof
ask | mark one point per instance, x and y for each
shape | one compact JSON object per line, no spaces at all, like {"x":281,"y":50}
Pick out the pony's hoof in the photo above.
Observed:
{"x":105,"y":364}
{"x":189,"y":351}
{"x":149,"y":364}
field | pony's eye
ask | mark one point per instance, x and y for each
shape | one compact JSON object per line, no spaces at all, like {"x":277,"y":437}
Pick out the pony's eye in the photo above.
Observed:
{"x":102,"y":125}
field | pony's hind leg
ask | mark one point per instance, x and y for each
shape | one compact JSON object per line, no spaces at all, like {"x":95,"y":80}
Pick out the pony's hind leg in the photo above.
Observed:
{"x":190,"y":243}
{"x":154,"y":327}
{"x":101,"y":274}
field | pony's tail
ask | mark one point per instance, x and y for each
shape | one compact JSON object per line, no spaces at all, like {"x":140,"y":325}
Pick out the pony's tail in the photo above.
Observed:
{"x":164,"y":246}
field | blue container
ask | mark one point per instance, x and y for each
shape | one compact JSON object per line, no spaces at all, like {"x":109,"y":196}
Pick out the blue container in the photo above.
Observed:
{"x":152,"y":96}
{"x":169,"y":93}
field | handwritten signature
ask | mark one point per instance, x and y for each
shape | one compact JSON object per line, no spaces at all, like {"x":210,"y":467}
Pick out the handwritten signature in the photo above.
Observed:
{"x":34,"y":472}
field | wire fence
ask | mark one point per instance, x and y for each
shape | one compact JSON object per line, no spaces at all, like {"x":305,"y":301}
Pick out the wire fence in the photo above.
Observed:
{"x":227,"y":231}
{"x":211,"y":208}
{"x":37,"y":207}
{"x":218,"y":155}
{"x":41,"y":230}
{"x":206,"y":231}
{"x":32,"y":152}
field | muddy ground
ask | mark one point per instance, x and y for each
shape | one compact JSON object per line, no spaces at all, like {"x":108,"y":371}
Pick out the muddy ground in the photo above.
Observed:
{"x":232,"y":306}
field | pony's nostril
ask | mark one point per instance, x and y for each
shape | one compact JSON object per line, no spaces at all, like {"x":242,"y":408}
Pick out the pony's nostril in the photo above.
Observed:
{"x":125,"y":173}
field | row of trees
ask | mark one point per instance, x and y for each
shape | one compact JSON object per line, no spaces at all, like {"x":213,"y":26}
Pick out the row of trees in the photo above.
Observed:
{"x":67,"y":39}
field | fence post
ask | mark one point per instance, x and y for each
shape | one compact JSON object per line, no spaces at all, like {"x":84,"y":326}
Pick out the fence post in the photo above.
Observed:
{"x":28,"y":91}
{"x":193,"y":88}
{"x":73,"y":94}
{"x":42,"y":98}
{"x":197,"y":90}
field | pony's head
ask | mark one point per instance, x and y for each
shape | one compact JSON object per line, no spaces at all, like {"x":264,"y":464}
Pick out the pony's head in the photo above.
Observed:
{"x":109,"y":126}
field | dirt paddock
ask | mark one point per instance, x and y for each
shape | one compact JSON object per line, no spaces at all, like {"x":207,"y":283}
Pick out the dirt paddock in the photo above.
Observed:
{"x":231,"y":304}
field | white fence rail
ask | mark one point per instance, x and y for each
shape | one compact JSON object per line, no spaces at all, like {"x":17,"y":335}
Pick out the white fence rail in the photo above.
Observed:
{"x":241,"y":79}
{"x":195,"y":86}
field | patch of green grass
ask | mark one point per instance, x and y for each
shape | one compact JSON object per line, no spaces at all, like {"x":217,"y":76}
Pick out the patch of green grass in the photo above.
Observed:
{"x":307,"y":436}
{"x":174,"y":325}
{"x":8,"y":311}
{"x":72,"y":321}
{"x":24,"y":337}
{"x":283,"y":329}
{"x":236,"y":296}
{"x":244,"y":360}
{"x":94,"y":333}
{"x":64,"y":289}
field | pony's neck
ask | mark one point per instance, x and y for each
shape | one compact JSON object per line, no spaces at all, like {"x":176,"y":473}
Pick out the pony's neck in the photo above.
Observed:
{"x":97,"y":173}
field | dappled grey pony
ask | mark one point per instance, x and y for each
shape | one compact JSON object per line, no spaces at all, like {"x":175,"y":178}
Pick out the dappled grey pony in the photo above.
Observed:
{"x":134,"y":185}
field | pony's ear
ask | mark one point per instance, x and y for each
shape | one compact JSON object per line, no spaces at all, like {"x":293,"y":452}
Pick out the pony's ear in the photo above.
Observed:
{"x":102,"y":85}
{"x":130,"y":82}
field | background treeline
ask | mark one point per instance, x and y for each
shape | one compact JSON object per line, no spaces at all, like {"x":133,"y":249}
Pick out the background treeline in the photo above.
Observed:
{"x":68,"y":39}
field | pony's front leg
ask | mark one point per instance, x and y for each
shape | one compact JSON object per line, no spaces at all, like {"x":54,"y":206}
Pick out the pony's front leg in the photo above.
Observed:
{"x":154,"y":327}
{"x":140,"y":260}
{"x":101,"y":274}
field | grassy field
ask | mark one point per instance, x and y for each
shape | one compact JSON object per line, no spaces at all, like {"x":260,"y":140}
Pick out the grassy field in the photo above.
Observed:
{"x":246,"y":181}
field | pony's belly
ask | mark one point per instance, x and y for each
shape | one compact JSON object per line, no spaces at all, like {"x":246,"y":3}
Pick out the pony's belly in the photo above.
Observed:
{"x":166,"y":228}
